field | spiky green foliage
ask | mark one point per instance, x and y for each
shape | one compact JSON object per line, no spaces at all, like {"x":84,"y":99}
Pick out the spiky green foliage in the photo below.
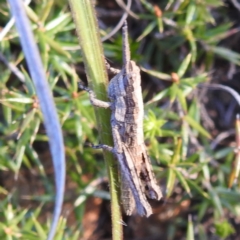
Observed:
{"x":176,"y":50}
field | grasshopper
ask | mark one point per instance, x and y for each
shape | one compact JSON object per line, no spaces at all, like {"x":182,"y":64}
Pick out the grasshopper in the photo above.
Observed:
{"x":126,"y":104}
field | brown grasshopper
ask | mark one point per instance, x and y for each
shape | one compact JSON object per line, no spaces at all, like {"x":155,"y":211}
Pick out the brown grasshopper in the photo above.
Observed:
{"x":126,"y":103}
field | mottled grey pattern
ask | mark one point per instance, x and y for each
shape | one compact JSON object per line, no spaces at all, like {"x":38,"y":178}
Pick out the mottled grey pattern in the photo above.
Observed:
{"x":125,"y":94}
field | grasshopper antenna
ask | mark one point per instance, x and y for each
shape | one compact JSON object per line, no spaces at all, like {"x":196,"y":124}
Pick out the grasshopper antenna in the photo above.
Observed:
{"x":126,"y":49}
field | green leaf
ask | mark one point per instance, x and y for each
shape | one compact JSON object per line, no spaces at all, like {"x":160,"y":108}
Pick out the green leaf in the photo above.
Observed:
{"x":56,"y":46}
{"x":171,"y":177}
{"x":39,"y":228}
{"x":173,"y":91}
{"x":160,"y":24}
{"x":227,"y":54}
{"x":160,"y":75}
{"x":7,"y":113}
{"x":214,"y":35}
{"x":190,"y":13}
{"x":216,"y":201}
{"x":17,"y":100}
{"x":185,"y":139}
{"x":45,"y":11}
{"x":202,"y":209}
{"x":196,"y":126}
{"x":27,"y":121}
{"x":197,"y":188}
{"x":147,"y":30}
{"x":193,"y":46}
{"x":182,"y":99}
{"x":29,"y":83}
{"x":58,"y":23}
{"x":183,"y":67}
{"x":190,"y":229}
{"x":183,"y":182}
{"x":31,"y":14}
{"x":222,"y":153}
{"x":159,"y":96}
{"x":193,"y":81}
{"x":177,"y":152}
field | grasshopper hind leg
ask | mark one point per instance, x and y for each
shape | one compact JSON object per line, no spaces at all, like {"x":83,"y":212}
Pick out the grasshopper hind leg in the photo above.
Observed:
{"x":127,"y":198}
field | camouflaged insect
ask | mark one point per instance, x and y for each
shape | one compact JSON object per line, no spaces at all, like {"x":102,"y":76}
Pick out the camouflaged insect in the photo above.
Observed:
{"x":126,"y":103}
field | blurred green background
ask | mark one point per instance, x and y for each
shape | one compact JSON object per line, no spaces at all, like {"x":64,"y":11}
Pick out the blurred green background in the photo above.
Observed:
{"x":189,"y":131}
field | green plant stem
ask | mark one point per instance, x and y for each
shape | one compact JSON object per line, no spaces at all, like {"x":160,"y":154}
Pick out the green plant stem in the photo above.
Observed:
{"x":93,"y":56}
